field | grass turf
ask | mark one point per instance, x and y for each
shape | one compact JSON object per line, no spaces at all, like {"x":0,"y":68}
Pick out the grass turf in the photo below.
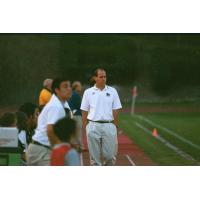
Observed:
{"x":184,"y":124}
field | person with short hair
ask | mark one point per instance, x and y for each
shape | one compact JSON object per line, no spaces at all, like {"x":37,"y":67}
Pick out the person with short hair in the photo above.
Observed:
{"x":100,"y":106}
{"x":62,"y":152}
{"x":8,"y":120}
{"x":24,"y":138}
{"x":57,"y":108}
{"x":31,"y":110}
{"x":46,"y":93}
{"x":75,"y":104}
{"x":26,"y":123}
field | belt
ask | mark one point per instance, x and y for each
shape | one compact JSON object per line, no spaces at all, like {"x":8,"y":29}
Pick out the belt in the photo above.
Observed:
{"x":101,"y":122}
{"x":38,"y":143}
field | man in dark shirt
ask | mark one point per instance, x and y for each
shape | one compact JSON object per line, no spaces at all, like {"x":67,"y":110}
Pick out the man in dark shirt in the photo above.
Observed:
{"x":75,"y":104}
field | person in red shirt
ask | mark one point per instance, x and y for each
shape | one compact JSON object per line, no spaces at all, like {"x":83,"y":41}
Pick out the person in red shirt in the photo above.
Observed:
{"x":62,"y":153}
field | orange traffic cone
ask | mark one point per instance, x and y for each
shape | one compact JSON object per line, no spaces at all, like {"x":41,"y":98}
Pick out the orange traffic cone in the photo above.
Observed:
{"x":155,"y":132}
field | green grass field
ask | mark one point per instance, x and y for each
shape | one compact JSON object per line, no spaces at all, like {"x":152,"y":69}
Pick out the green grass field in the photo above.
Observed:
{"x":182,"y":130}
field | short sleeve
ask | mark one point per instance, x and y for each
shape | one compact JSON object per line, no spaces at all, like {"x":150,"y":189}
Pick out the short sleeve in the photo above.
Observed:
{"x":54,"y":114}
{"x":22,"y":141}
{"x":116,"y":102}
{"x":72,"y":158}
{"x":85,"y":102}
{"x":22,"y":137}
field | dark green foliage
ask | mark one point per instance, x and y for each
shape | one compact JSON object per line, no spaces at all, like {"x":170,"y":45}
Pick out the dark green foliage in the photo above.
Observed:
{"x":163,"y":60}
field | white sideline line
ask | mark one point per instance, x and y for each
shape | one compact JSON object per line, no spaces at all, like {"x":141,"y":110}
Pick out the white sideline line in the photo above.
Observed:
{"x":130,"y":160}
{"x":169,"y":132}
{"x":168,"y":144}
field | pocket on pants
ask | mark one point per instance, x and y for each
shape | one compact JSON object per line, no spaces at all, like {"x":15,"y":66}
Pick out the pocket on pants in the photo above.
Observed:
{"x":46,"y":154}
{"x":114,"y":128}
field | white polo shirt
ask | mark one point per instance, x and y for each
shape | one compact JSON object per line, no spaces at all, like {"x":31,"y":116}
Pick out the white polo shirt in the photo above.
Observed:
{"x":100,"y":103}
{"x":51,"y":113}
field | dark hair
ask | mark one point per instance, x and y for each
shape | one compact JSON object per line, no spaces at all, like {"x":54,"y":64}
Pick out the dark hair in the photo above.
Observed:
{"x":56,"y":83}
{"x":21,"y":121}
{"x":95,"y":74}
{"x":28,"y":109}
{"x":64,"y":129}
{"x":92,"y":81}
{"x":7,"y":119}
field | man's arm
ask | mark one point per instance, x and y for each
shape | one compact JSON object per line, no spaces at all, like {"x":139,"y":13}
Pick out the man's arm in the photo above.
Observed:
{"x":116,"y":108}
{"x":50,"y":134}
{"x":84,"y":119}
{"x":115,"y":116}
{"x":85,"y":108}
{"x":53,"y":115}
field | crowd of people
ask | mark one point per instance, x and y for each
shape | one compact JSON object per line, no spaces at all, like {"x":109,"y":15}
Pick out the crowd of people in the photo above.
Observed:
{"x":51,"y":132}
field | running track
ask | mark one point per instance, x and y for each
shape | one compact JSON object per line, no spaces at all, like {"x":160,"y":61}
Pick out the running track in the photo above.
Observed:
{"x":129,"y":154}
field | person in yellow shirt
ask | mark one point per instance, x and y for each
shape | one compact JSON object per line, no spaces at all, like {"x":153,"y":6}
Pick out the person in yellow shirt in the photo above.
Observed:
{"x":46,"y":93}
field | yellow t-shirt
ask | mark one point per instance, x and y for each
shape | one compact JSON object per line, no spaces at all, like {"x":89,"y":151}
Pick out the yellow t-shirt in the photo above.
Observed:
{"x":44,"y":97}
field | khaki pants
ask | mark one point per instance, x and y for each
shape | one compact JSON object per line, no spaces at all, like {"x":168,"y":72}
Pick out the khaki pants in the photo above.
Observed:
{"x":102,"y":143}
{"x":38,"y":155}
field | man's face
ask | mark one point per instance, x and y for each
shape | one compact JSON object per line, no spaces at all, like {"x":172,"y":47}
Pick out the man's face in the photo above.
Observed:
{"x":101,"y":78}
{"x":79,"y":88}
{"x":49,"y":84}
{"x":65,"y":91}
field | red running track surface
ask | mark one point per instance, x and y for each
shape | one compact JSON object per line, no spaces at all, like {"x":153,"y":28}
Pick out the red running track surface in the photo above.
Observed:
{"x":129,"y":154}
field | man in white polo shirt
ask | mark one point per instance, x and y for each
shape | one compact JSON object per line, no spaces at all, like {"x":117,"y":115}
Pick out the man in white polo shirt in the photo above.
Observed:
{"x":57,"y":108}
{"x":100,"y":106}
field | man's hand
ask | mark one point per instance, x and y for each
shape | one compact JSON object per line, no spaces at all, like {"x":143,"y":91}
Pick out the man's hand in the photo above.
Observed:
{"x":84,"y":121}
{"x":115,"y":116}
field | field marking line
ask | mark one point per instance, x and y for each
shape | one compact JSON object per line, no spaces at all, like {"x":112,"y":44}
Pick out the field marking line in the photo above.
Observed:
{"x":169,"y":132}
{"x":168,"y":144}
{"x":130,"y":160}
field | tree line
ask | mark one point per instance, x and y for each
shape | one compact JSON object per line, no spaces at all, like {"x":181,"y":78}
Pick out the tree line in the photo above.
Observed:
{"x":162,"y":60}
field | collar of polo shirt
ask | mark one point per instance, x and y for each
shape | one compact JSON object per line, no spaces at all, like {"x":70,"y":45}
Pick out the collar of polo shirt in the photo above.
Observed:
{"x":96,"y":88}
{"x":56,"y":99}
